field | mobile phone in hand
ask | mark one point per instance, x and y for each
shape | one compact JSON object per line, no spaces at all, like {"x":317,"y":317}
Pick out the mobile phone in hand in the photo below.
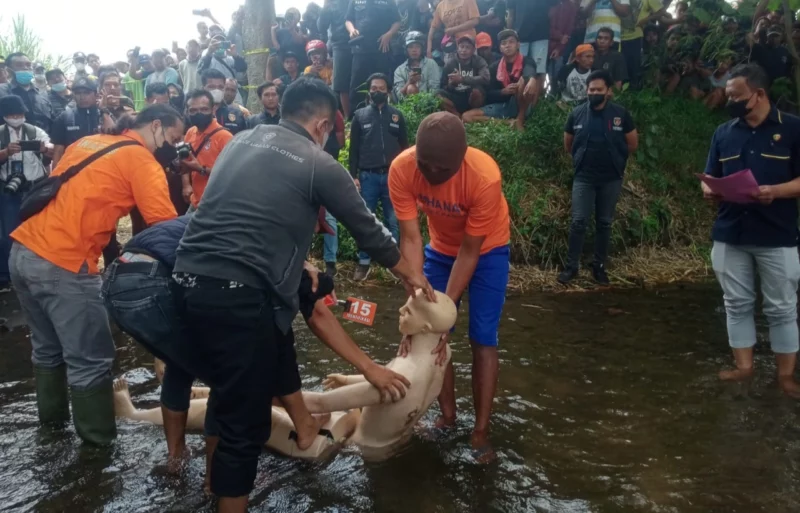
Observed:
{"x":30,"y":146}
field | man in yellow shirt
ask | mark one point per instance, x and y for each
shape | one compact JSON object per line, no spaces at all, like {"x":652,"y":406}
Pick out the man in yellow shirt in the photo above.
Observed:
{"x":642,"y":13}
{"x":320,"y":66}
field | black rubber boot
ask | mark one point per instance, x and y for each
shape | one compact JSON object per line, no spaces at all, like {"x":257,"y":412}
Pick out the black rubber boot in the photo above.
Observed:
{"x":567,"y":275}
{"x":52,"y":399}
{"x":93,"y":414}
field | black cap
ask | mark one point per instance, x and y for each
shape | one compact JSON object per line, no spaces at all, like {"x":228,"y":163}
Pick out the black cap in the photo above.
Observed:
{"x":144,"y":58}
{"x":53,"y":73}
{"x":78,"y":55}
{"x":506,"y":33}
{"x":85,"y":84}
{"x":11,"y":105}
{"x":288,"y":54}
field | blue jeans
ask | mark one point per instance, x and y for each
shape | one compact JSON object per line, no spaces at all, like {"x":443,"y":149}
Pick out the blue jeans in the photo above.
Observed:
{"x":588,"y":197}
{"x":331,"y":242}
{"x":9,"y":220}
{"x":374,"y":188}
{"x":137,"y":296}
{"x":779,"y":272}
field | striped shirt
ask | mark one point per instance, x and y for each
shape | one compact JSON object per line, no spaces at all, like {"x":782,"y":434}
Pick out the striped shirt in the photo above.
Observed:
{"x":603,"y":16}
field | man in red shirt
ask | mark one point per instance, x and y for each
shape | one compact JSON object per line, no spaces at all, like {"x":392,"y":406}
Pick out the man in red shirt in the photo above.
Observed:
{"x":207,"y":139}
{"x":460,"y":190}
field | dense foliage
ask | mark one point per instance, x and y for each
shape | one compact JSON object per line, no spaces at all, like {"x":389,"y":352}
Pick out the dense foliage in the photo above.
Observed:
{"x":661,"y":202}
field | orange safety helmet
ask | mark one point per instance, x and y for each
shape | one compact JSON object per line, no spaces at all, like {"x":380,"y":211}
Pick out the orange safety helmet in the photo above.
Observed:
{"x":316,"y":45}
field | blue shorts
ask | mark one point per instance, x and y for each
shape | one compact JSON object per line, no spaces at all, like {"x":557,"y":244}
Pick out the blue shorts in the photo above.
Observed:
{"x":487,"y":289}
{"x":508,"y":110}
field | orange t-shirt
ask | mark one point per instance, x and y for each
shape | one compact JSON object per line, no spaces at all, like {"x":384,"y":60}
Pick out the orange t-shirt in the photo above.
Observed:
{"x":471,"y":202}
{"x":452,"y":13}
{"x":206,"y":156}
{"x":76,"y":226}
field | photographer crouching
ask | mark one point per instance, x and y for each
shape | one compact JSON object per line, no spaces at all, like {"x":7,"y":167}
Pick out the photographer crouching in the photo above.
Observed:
{"x":22,"y":146}
{"x":204,"y":142}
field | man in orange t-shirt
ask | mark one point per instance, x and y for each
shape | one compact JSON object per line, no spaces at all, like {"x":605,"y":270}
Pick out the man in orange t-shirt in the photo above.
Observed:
{"x":459,"y":17}
{"x":460,"y":190}
{"x":54,"y":267}
{"x":207,"y":139}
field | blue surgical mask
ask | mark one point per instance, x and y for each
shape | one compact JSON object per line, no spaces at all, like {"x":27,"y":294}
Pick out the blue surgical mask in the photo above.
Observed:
{"x":23,"y":77}
{"x":59,"y":87}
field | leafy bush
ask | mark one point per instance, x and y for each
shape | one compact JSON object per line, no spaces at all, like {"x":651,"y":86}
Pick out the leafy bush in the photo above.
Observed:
{"x":661,"y":203}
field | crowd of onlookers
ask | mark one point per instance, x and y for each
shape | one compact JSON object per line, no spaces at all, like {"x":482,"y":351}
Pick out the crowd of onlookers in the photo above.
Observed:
{"x":484,"y":59}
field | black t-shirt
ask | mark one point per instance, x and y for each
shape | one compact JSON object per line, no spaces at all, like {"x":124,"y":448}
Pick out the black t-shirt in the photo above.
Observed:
{"x":499,"y":7}
{"x":372,"y":19}
{"x":75,"y":123}
{"x":597,"y":164}
{"x":288,"y":44}
{"x":777,"y":62}
{"x":493,"y":95}
{"x":531,"y":19}
{"x":265,"y":118}
{"x":614,"y":63}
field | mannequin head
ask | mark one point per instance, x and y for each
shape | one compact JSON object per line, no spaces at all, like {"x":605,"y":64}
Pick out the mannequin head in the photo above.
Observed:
{"x":419,"y":315}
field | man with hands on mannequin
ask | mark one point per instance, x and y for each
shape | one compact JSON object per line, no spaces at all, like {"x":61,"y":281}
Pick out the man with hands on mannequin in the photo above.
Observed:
{"x":459,"y":188}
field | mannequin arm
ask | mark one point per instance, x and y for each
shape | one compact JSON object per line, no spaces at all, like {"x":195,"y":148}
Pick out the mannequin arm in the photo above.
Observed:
{"x":350,"y":397}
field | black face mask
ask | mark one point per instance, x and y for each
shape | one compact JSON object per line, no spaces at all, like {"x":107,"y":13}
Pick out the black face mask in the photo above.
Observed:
{"x":378,"y":97}
{"x":200,"y":120}
{"x":596,"y":99}
{"x":165,"y":153}
{"x":739,"y":109}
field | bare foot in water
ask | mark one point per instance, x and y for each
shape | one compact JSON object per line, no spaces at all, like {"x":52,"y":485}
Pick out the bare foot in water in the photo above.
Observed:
{"x":736,"y":374}
{"x":482,"y":450}
{"x":310,"y":429}
{"x":789,"y":386}
{"x":443,"y":422}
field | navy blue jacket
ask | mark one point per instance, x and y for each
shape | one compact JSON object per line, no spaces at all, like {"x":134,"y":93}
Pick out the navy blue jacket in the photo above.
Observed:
{"x":772,"y":152}
{"x":618,"y":122}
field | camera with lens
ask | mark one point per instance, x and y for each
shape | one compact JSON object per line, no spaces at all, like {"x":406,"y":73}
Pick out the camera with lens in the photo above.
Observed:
{"x":184,"y":150}
{"x":16,"y":177}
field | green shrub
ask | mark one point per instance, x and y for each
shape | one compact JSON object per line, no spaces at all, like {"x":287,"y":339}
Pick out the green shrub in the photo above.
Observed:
{"x":660,"y":205}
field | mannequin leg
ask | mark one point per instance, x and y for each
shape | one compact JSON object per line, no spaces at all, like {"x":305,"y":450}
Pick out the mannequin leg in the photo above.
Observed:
{"x":306,"y":425}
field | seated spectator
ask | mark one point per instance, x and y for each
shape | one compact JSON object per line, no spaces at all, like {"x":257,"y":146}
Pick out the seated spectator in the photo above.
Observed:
{"x":571,"y":81}
{"x":156,"y":93}
{"x":320,"y":67}
{"x":513,"y":90}
{"x":229,"y":97}
{"x":691,"y":77}
{"x":652,"y":39}
{"x":464,"y":80}
{"x":292,"y":69}
{"x":162,"y":72}
{"x":719,"y":80}
{"x":418,"y":74}
{"x":773,"y":56}
{"x":270,"y":100}
{"x":483,"y":42}
{"x":608,"y":59}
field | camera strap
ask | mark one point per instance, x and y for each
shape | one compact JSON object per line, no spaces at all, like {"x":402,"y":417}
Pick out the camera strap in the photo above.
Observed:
{"x":205,"y":140}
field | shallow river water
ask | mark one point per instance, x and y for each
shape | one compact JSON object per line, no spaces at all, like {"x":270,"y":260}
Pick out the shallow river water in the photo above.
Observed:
{"x":607,"y":402}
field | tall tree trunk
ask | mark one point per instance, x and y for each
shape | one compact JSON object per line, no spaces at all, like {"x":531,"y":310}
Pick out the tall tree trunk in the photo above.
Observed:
{"x":259,"y":15}
{"x":787,"y":22}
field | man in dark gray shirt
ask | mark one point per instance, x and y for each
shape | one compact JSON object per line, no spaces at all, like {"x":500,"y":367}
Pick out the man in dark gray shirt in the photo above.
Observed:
{"x":239,"y":266}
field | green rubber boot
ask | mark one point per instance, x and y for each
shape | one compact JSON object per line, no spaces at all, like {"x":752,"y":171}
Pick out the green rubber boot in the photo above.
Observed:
{"x":93,"y":414}
{"x":52,"y":399}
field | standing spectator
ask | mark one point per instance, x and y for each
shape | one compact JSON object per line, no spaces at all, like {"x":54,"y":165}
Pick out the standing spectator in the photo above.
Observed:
{"x":229,"y":97}
{"x":162,"y":74}
{"x":562,"y":24}
{"x":94,"y":62}
{"x":290,"y":38}
{"x":77,"y":121}
{"x":111,"y":96}
{"x":39,"y":77}
{"x":157,"y":93}
{"x":18,"y":170}
{"x":607,"y":58}
{"x":604,"y":13}
{"x":187,"y":68}
{"x":223,"y":57}
{"x":320,"y":66}
{"x":418,"y":74}
{"x":59,"y":95}
{"x":406,"y":10}
{"x":72,"y":342}
{"x":571,"y":81}
{"x":330,"y":236}
{"x":230,"y":118}
{"x":600,"y":136}
{"x":292,"y":68}
{"x":372,"y":24}
{"x":377,"y":135}
{"x":39,"y":110}
{"x":79,"y":61}
{"x":468,"y":250}
{"x":134,"y":79}
{"x":235,"y":35}
{"x":758,"y":239}
{"x":530,"y":18}
{"x":458,"y":17}
{"x":773,"y":57}
{"x":310,"y":24}
{"x":207,"y":139}
{"x":642,"y":13}
{"x":202,"y":35}
{"x":513,"y":90}
{"x":332,"y":20}
{"x":270,"y":100}
{"x":464,"y":80}
{"x":493,"y":19}
{"x":3,"y":71}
